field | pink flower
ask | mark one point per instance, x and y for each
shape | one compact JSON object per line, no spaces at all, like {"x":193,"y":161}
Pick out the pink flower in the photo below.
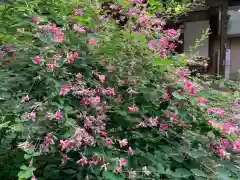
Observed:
{"x":217,"y":111}
{"x":103,"y":134}
{"x":122,"y":162}
{"x":227,"y":127}
{"x":64,"y":91}
{"x":133,"y":11}
{"x":130,"y":151}
{"x":32,"y":116}
{"x":110,"y":91}
{"x":26,"y":99}
{"x":52,"y":66}
{"x":216,"y":125}
{"x":172,"y":46}
{"x":49,"y":139}
{"x":221,"y":113}
{"x":95,"y":100}
{"x":138,"y":1}
{"x":221,"y":152}
{"x":182,"y":74}
{"x":165,"y":96}
{"x":37,"y":60}
{"x":164,"y":127}
{"x":64,"y":159}
{"x":70,"y":59}
{"x":153,"y":121}
{"x":162,"y":54}
{"x":236,"y":146}
{"x":143,"y":124}
{"x":75,"y":55}
{"x":143,"y":20}
{"x":83,"y":161}
{"x":58,"y":115}
{"x":33,"y":177}
{"x":36,"y":19}
{"x":118,"y":169}
{"x":91,"y":43}
{"x":187,"y":84}
{"x":190,"y":88}
{"x":132,"y":109}
{"x":201,"y":100}
{"x":101,"y":78}
{"x":108,"y":143}
{"x":164,"y":42}
{"x":78,"y":12}
{"x":123,"y":142}
{"x":58,"y":36}
{"x":78,"y":28}
{"x":152,"y":45}
{"x":172,"y":33}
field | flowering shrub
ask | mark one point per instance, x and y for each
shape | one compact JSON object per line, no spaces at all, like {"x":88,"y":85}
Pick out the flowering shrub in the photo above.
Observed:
{"x":85,"y":98}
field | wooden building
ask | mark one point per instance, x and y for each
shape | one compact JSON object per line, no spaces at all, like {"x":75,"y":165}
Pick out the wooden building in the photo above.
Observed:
{"x":222,"y":45}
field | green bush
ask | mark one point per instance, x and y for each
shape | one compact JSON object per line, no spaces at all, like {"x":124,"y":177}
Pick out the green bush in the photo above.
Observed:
{"x":85,"y":97}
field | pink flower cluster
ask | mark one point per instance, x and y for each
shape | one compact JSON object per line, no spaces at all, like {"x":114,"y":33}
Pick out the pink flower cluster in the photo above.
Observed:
{"x":172,"y":33}
{"x":95,"y":123}
{"x":66,"y":89}
{"x":226,"y":128}
{"x":58,"y":35}
{"x":57,"y":116}
{"x":225,"y":145}
{"x":78,"y":12}
{"x":161,"y":46}
{"x":96,"y":159}
{"x":92,"y":100}
{"x":48,"y":140}
{"x":79,"y":29}
{"x":38,"y":60}
{"x":122,"y":162}
{"x":190,"y":88}
{"x":79,"y":139}
{"x":92,"y":43}
{"x":31,"y":116}
{"x":217,"y":111}
{"x":72,"y":58}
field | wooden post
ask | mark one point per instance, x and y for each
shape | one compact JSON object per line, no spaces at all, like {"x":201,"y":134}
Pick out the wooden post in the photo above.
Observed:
{"x":213,"y":37}
{"x":223,"y":36}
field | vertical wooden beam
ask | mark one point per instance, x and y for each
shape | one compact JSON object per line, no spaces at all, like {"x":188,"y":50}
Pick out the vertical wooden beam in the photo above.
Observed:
{"x":213,"y":37}
{"x":223,"y":36}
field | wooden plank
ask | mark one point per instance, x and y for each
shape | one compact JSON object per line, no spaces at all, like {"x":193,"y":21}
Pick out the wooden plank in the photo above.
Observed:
{"x":195,"y":16}
{"x":223,"y":36}
{"x":213,"y":37}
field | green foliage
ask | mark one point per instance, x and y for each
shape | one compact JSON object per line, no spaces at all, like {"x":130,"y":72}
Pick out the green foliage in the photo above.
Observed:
{"x":141,"y":78}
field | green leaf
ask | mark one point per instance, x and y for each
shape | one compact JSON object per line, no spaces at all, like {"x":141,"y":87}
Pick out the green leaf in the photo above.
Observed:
{"x":111,"y":176}
{"x":197,"y":153}
{"x":69,"y":171}
{"x":4,"y":125}
{"x":181,"y":173}
{"x":27,"y":173}
{"x":198,"y":172}
{"x":181,"y":112}
{"x":27,"y":156}
{"x":24,"y":167}
{"x":36,"y":154}
{"x":177,"y":95}
{"x":222,"y":174}
{"x":30,"y":150}
{"x":160,"y":62}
